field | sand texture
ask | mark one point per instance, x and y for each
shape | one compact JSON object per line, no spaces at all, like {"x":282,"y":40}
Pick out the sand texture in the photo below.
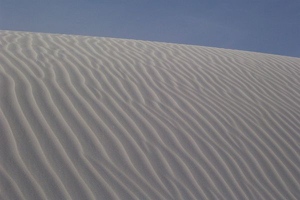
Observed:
{"x":101,"y":118}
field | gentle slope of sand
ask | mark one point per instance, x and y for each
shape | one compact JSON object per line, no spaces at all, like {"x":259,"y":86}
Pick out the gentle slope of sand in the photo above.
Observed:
{"x":100,"y":118}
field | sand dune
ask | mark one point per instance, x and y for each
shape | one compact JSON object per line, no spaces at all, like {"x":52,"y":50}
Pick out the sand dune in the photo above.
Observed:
{"x":101,"y":118}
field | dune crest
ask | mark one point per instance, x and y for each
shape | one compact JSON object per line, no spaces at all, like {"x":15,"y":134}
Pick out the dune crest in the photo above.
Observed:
{"x":101,"y":118}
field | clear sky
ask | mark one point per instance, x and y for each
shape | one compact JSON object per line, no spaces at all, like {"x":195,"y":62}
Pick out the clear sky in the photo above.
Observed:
{"x":269,"y":26}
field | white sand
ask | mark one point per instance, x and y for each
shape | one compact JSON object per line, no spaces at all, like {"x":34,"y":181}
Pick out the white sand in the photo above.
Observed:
{"x":100,"y":118}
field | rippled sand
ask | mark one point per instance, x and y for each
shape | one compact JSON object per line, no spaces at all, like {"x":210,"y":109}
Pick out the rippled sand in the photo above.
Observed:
{"x":101,"y":118}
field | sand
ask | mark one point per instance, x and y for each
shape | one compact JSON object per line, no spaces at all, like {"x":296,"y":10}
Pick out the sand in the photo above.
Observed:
{"x":102,"y":118}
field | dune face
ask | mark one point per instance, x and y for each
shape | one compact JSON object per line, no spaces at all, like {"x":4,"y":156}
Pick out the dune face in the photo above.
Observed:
{"x":99,"y":118}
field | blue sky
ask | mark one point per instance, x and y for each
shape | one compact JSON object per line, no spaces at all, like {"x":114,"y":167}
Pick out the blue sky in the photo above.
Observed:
{"x":269,"y":26}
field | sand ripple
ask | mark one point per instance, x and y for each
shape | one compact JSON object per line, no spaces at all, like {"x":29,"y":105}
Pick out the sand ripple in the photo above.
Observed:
{"x":101,"y":118}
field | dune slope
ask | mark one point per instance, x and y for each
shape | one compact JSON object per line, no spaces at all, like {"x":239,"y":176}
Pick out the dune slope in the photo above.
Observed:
{"x":101,"y":118}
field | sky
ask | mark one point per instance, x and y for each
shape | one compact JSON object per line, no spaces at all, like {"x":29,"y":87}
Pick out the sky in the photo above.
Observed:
{"x":268,"y":26}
